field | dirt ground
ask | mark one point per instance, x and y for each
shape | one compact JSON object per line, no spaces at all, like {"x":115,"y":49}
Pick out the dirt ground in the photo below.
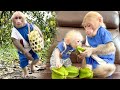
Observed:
{"x":15,"y":72}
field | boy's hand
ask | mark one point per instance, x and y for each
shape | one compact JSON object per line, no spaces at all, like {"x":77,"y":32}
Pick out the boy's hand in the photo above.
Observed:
{"x":58,"y":64}
{"x":29,"y":56}
{"x":88,"y":52}
{"x":81,"y":56}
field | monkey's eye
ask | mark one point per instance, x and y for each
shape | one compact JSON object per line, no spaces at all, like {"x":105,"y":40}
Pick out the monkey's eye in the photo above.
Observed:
{"x":88,"y":25}
{"x":18,"y":17}
{"x":84,"y":26}
{"x":78,"y":41}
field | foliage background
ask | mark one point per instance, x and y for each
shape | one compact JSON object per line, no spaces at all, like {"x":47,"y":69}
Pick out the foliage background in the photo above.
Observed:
{"x":45,"y":20}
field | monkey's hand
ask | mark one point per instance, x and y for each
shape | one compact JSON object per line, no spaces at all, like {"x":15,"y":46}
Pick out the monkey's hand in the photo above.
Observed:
{"x":57,"y":56}
{"x":28,"y":55}
{"x":79,"y":50}
{"x":88,"y":52}
{"x":81,"y":57}
{"x":58,"y":64}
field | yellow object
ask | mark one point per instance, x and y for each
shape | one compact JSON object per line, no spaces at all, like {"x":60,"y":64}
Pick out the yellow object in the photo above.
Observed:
{"x":72,"y":71}
{"x":86,"y":73}
{"x":59,"y":73}
{"x":36,"y":40}
{"x":80,"y":49}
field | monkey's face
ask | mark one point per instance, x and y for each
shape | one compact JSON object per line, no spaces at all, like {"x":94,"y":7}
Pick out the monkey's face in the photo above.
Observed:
{"x":18,"y":21}
{"x":76,"y":42}
{"x":91,"y":26}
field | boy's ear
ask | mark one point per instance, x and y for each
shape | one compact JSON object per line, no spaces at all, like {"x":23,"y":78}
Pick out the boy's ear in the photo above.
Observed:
{"x":100,"y":19}
{"x":67,"y":41}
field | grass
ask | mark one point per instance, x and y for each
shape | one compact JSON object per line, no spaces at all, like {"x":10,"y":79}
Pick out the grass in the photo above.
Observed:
{"x":8,"y":55}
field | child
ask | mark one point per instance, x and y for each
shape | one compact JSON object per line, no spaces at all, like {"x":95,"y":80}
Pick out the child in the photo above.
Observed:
{"x":61,"y":54}
{"x":100,"y":55}
{"x":20,"y":39}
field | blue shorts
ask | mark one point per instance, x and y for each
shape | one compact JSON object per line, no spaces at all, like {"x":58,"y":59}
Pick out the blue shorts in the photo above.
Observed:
{"x":91,"y":61}
{"x":24,"y":60}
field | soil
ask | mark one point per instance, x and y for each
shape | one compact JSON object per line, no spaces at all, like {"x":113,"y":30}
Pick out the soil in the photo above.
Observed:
{"x":15,"y":72}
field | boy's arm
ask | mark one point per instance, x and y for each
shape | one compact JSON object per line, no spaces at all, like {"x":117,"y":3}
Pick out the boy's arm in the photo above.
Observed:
{"x":57,"y":58}
{"x":102,"y":49}
{"x":18,"y":45}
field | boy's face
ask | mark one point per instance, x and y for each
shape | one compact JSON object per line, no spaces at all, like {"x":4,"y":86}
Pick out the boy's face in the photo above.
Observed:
{"x":76,"y":42}
{"x":18,"y":20}
{"x":91,"y":25}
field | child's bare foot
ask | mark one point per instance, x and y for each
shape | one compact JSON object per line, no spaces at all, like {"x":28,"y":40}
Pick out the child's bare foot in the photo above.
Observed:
{"x":31,"y":69}
{"x":25,"y":76}
{"x":25,"y":73}
{"x":39,"y":63}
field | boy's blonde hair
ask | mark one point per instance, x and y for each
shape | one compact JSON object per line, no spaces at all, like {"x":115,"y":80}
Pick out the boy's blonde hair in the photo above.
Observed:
{"x":73,"y":34}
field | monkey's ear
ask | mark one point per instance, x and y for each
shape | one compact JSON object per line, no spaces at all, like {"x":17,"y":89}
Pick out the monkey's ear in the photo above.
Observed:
{"x":100,"y":19}
{"x":67,"y":41}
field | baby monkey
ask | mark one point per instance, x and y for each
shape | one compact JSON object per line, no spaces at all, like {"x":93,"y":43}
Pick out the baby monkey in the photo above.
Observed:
{"x":61,"y":53}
